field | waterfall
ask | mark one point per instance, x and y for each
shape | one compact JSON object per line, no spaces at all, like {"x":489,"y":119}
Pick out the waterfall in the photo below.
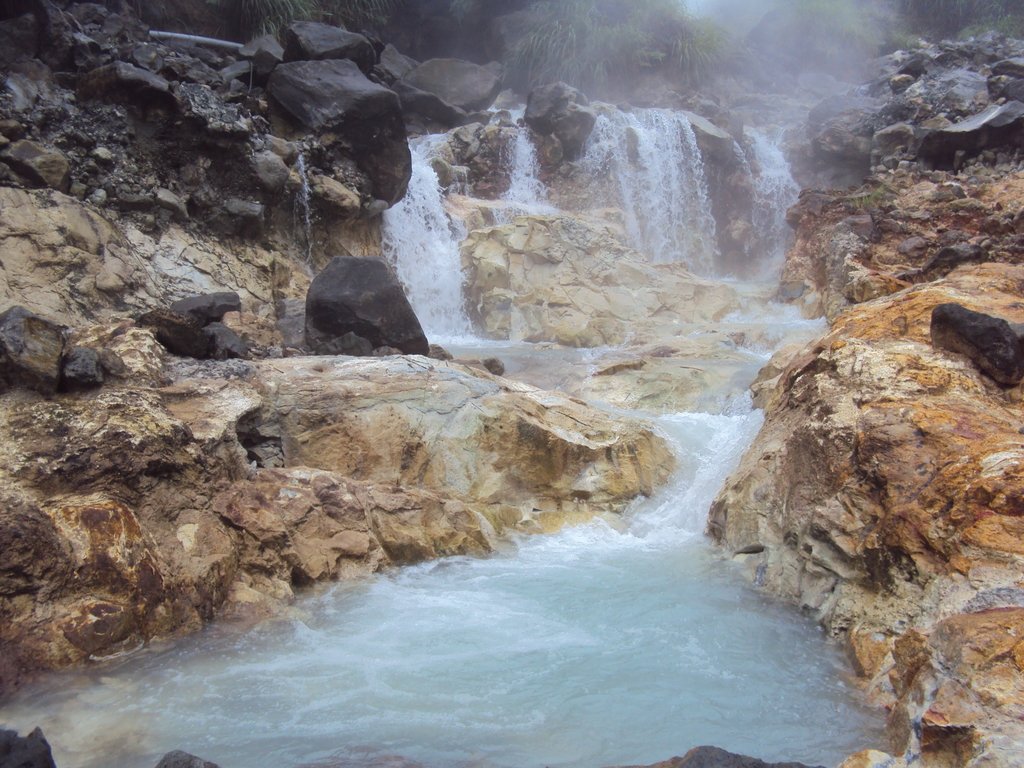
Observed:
{"x":775,"y":191}
{"x":526,"y":192}
{"x":300,"y":212}
{"x":422,"y":243}
{"x":653,"y":157}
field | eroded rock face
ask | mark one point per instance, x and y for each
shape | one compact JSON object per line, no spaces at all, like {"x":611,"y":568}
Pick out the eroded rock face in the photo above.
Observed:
{"x":566,"y":280}
{"x":143,"y":509}
{"x":909,"y":514}
{"x":539,"y":459}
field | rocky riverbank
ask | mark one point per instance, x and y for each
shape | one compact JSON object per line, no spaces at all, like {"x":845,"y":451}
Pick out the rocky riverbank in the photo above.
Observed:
{"x":883,"y":493}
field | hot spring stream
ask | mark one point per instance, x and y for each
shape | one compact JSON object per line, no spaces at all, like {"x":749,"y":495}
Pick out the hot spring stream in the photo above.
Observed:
{"x":592,"y":647}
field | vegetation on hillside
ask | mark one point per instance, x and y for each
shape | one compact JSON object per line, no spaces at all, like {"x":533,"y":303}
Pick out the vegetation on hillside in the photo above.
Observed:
{"x":947,"y":18}
{"x":591,"y":42}
{"x":248,"y":18}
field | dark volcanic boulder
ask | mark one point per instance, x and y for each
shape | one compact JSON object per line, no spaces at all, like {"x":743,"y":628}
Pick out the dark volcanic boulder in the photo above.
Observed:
{"x":264,"y":52}
{"x":561,"y":111}
{"x":334,"y":96}
{"x":225,"y":344}
{"x":19,"y":39}
{"x":462,"y":84}
{"x":394,"y":64}
{"x":30,"y":351}
{"x":997,"y":126}
{"x":990,"y":342}
{"x":312,"y":41}
{"x":33,"y":751}
{"x":179,"y":334}
{"x":841,"y":129}
{"x":208,"y":308}
{"x":1010,"y":67}
{"x":424,"y":104}
{"x":362,"y":297}
{"x":125,"y":83}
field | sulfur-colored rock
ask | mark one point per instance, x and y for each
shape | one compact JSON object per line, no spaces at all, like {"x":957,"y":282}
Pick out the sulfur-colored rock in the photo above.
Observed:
{"x":538,"y":460}
{"x":566,"y":280}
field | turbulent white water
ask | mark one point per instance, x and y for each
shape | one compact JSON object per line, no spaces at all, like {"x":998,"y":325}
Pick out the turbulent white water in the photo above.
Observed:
{"x":775,"y":191}
{"x":592,"y":647}
{"x":422,"y":242}
{"x":652,"y":156}
{"x":526,"y":193}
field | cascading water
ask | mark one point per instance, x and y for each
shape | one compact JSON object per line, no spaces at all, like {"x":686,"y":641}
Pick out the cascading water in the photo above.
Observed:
{"x":422,"y":242}
{"x":775,"y":191}
{"x":526,"y":193}
{"x":301,"y":211}
{"x":653,"y":158}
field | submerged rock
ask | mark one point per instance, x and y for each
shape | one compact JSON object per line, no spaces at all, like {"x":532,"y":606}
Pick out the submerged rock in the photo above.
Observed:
{"x":364,"y":298}
{"x":713,"y":757}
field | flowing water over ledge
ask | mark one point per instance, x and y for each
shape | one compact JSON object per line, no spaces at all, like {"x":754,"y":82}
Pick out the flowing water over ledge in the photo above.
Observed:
{"x":598,"y":646}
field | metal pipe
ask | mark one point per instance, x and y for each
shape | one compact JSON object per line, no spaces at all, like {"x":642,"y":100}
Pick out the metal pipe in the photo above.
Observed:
{"x":195,"y":39}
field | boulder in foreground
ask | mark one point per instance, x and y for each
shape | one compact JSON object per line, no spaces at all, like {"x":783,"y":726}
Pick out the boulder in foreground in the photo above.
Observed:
{"x":364,"y":298}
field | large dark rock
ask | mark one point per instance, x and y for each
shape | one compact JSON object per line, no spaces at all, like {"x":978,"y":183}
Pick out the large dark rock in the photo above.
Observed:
{"x":841,"y":129}
{"x":362,"y":297}
{"x":179,"y":334}
{"x":463,"y":84}
{"x":208,"y":308}
{"x":952,"y":256}
{"x":334,"y":96}
{"x":996,"y":127}
{"x":19,"y":39}
{"x":559,"y":110}
{"x":123,"y":82}
{"x":30,"y":351}
{"x":417,"y":102}
{"x":713,"y":757}
{"x":225,"y":344}
{"x":394,"y":64}
{"x":265,"y":53}
{"x":33,"y":751}
{"x":179,"y":759}
{"x":990,"y":342}
{"x":312,"y":41}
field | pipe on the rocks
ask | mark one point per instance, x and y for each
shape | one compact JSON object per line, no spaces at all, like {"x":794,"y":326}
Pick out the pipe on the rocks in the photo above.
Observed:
{"x":195,"y":39}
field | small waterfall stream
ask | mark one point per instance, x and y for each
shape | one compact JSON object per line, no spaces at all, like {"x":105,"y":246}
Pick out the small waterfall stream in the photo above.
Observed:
{"x":422,"y":242}
{"x":652,"y":156}
{"x":526,"y":193}
{"x":775,"y":191}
